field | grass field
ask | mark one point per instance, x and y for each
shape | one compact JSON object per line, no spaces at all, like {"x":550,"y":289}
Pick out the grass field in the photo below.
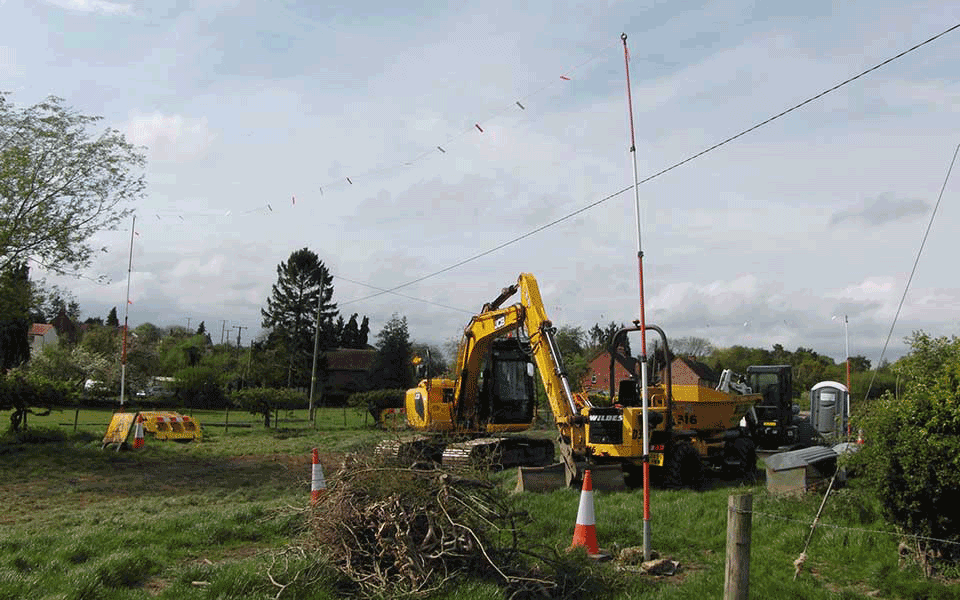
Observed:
{"x":220,"y":518}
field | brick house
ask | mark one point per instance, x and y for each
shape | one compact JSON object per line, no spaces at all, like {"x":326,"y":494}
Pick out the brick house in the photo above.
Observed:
{"x":687,"y":371}
{"x":42,"y":334}
{"x":347,"y":372}
{"x":596,"y":380}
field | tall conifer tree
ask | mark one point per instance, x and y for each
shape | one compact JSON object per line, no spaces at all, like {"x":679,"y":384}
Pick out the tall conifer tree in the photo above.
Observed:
{"x":301,"y":297}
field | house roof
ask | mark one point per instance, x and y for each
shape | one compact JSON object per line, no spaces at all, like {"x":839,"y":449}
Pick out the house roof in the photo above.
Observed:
{"x":40,"y":329}
{"x":349,"y":359}
{"x":700,"y":370}
{"x":604,"y":361}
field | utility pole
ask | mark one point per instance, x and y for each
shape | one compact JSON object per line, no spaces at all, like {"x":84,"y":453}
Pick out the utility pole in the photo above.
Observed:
{"x":223,"y":329}
{"x":316,"y":350}
{"x":239,"y":329}
{"x":188,"y":323}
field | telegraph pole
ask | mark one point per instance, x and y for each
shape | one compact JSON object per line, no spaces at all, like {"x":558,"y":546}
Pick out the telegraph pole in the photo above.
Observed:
{"x":223,"y":329}
{"x":239,"y":329}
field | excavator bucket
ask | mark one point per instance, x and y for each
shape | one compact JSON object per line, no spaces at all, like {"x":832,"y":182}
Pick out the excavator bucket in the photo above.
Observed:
{"x":606,"y":478}
{"x":541,"y":479}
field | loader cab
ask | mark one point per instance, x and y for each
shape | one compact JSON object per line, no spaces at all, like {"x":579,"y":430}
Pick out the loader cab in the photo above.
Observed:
{"x":775,"y":412}
{"x":507,"y":391}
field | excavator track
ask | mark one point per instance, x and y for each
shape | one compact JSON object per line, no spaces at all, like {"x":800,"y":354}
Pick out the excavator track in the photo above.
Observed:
{"x":497,"y":453}
{"x":409,"y":450}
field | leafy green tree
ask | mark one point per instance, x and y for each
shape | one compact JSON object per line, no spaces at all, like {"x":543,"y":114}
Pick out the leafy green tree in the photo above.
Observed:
{"x":147,"y":333}
{"x":57,"y":362}
{"x":301,"y":298}
{"x":596,"y":336}
{"x":60,"y":183}
{"x":265,"y":366}
{"x":571,"y":341}
{"x":47,"y":302}
{"x":104,"y":341}
{"x":14,"y":316}
{"x":738,"y":358}
{"x":24,"y":393}
{"x":859,"y":363}
{"x":912,"y":449}
{"x":392,"y":366}
{"x":200,"y":387}
{"x":692,"y":346}
{"x":177,"y":352}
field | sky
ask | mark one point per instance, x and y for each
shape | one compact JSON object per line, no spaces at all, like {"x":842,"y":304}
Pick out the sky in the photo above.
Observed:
{"x":459,"y":146}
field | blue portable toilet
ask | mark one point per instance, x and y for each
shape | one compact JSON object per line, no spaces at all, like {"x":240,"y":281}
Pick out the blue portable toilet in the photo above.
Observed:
{"x":830,"y":408}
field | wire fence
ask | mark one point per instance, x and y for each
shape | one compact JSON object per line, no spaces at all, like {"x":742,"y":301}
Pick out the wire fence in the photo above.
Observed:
{"x":820,"y":524}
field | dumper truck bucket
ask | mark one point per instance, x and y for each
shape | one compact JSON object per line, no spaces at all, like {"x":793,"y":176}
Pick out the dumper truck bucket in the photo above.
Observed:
{"x":606,"y":478}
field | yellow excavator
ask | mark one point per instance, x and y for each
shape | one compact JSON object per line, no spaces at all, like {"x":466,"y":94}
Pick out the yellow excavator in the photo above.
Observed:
{"x":474,"y":419}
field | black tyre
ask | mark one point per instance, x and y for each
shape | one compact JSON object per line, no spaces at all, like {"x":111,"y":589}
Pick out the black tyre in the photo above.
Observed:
{"x":684,"y":469}
{"x":745,"y":451}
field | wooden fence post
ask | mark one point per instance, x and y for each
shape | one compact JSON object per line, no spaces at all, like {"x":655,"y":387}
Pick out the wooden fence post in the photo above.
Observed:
{"x":739,"y":519}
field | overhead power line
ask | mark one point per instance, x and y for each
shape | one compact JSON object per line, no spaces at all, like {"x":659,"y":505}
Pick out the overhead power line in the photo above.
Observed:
{"x":661,"y":172}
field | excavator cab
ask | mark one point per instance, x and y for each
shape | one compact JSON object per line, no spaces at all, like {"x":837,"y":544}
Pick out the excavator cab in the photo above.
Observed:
{"x":507,"y":392}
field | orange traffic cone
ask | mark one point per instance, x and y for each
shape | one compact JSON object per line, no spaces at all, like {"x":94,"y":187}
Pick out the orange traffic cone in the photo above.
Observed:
{"x":317,"y":483}
{"x":585,"y":533}
{"x":138,"y":433}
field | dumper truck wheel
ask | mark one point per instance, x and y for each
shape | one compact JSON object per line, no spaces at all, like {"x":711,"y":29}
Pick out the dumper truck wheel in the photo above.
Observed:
{"x":746,"y":452}
{"x":684,"y":469}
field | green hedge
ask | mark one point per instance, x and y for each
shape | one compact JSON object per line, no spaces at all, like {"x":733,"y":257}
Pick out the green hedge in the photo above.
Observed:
{"x":911,"y":458}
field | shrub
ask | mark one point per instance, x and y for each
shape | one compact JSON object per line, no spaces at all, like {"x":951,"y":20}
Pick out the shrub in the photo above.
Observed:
{"x":377,"y":400}
{"x":912,"y":451}
{"x":264,"y":401}
{"x":26,"y":393}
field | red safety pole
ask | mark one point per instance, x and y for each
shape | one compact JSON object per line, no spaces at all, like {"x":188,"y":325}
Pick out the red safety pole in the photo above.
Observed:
{"x":643,"y":323}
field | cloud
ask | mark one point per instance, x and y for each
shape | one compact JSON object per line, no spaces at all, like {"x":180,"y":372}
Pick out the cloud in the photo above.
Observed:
{"x":88,"y":6}
{"x":170,"y":137}
{"x":880,"y":210}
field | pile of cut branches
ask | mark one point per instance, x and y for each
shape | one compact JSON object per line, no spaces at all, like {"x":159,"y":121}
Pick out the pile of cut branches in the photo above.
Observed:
{"x":397,"y":531}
